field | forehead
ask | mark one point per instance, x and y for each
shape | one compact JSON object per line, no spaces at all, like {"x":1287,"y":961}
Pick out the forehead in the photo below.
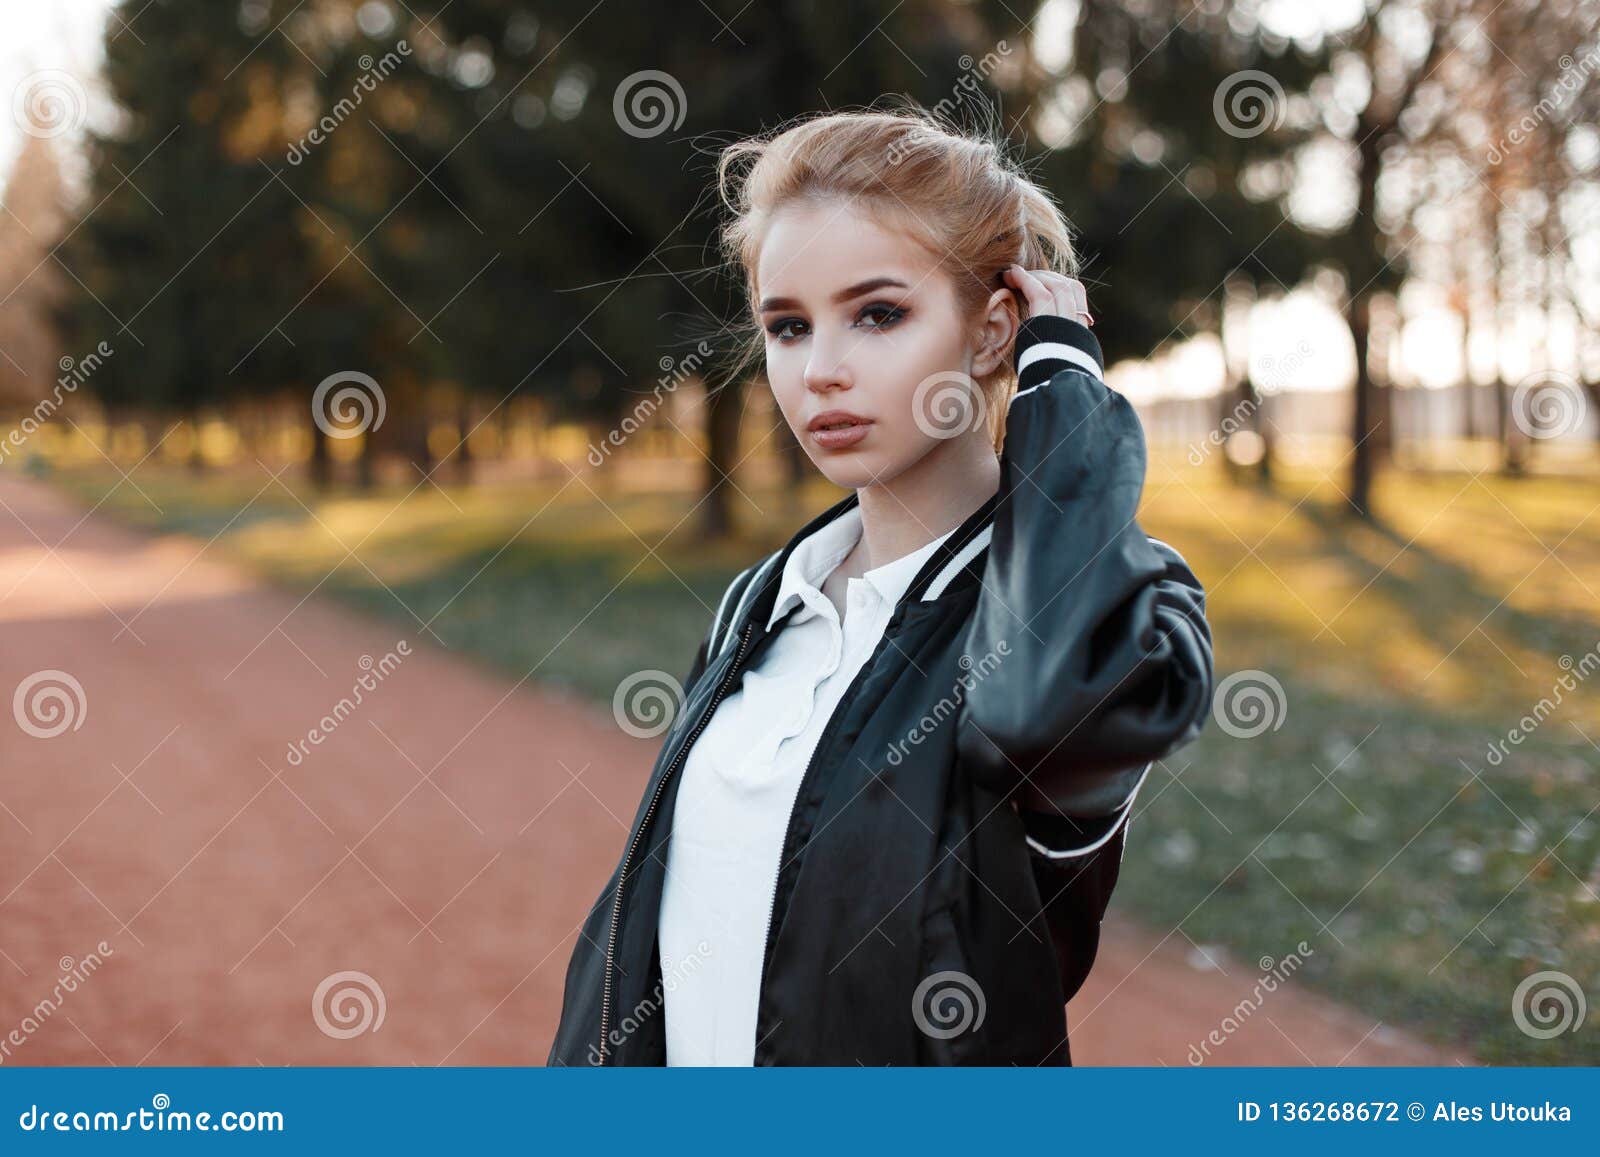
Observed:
{"x":812,"y":249}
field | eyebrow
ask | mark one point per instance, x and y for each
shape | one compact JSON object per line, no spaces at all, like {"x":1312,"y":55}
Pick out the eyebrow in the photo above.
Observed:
{"x":861,"y":287}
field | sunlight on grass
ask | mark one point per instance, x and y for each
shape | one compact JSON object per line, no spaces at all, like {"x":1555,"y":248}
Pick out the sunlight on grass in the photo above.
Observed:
{"x":1456,"y":604}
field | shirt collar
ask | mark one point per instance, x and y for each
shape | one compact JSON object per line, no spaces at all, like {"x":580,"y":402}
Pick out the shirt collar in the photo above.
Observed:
{"x":816,"y":556}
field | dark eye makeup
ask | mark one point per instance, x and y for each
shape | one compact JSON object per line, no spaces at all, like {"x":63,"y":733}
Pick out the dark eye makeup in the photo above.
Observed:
{"x":887,"y":316}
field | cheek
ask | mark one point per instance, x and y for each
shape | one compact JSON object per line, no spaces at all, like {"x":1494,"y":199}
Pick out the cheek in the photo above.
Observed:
{"x":786,"y":394}
{"x":791,"y":404}
{"x":914,"y":381}
{"x":785,"y":377}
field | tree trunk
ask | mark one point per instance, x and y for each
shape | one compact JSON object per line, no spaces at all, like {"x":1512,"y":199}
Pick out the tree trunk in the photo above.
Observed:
{"x":1361,"y":464}
{"x":197,"y":461}
{"x":1358,"y":313}
{"x":722,"y":447}
{"x":463,"y":451}
{"x":321,"y":464}
{"x":1258,"y":420}
{"x":366,"y":464}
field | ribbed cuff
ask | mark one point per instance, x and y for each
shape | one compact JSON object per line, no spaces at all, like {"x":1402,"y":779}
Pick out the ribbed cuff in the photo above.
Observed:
{"x":1060,"y":837}
{"x":1049,"y":343}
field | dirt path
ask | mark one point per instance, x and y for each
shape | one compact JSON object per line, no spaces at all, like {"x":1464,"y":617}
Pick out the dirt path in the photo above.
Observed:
{"x":444,"y":839}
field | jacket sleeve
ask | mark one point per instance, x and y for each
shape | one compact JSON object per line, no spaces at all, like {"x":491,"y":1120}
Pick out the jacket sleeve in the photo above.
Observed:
{"x":1105,"y":660}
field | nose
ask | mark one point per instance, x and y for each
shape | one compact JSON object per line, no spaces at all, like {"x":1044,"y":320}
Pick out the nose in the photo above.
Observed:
{"x":826,"y":368}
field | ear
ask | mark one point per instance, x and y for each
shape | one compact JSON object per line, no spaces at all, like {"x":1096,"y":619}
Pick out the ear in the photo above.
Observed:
{"x":995,"y":333}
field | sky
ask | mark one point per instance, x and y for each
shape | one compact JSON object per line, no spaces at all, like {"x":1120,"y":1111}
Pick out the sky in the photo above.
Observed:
{"x":37,"y":35}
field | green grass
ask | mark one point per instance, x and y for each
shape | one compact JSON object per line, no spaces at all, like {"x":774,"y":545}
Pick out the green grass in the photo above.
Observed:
{"x":1370,"y":823}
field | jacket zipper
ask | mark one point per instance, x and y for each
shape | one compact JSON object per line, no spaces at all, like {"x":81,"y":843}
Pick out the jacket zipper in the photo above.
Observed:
{"x":622,"y":876}
{"x":805,"y":782}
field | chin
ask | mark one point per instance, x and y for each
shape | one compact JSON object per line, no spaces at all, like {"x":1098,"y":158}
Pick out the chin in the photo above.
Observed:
{"x":878,"y":460}
{"x":851,"y":472}
{"x":846,"y":476}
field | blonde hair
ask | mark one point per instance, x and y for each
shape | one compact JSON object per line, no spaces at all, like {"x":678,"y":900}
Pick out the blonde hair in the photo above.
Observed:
{"x":953,"y":191}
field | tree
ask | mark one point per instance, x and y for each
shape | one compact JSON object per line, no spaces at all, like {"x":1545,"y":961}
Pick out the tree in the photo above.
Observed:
{"x":32,"y":216}
{"x":182,"y":232}
{"x":1173,"y":132}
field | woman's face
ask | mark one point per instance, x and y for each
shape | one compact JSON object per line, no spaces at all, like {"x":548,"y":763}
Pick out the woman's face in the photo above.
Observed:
{"x":863,"y":333}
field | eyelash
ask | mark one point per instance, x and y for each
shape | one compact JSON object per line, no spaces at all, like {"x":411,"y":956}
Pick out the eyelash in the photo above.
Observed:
{"x":893,"y":315}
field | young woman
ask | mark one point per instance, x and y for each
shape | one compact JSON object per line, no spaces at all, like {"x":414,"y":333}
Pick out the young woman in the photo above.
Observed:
{"x":887,"y":820}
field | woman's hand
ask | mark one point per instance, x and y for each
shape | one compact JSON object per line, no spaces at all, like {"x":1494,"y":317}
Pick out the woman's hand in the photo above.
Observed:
{"x":1045,"y":291}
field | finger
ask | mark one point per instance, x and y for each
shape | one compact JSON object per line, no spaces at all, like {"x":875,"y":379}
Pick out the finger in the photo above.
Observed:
{"x":1071,"y":299}
{"x":1033,"y":290}
{"x":1061,"y":300}
{"x":1077,"y":298}
{"x":1073,"y":296}
{"x":1077,"y":303}
{"x":1029,"y":289}
{"x":1077,"y":295}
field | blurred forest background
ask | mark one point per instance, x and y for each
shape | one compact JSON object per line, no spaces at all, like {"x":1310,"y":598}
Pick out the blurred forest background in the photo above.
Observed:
{"x":502,"y":215}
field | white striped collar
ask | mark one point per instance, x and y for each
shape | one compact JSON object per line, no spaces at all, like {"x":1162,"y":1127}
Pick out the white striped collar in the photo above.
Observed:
{"x":815,"y":557}
{"x":964,"y":556}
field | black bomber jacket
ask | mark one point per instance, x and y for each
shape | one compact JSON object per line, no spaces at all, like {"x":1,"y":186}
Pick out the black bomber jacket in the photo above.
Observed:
{"x":957,"y":834}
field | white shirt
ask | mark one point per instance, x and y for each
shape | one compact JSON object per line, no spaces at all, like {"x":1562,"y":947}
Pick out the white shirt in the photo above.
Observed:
{"x":738,"y":789}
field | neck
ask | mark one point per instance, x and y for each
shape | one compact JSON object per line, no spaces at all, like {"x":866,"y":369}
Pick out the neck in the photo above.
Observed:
{"x":922,"y":502}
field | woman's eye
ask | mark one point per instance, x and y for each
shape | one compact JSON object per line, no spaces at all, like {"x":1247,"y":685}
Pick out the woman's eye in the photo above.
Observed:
{"x":879,"y":316}
{"x":887,"y":315}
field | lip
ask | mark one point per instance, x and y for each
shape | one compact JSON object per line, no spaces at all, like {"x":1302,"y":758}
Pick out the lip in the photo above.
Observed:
{"x":831,"y":417}
{"x":842,"y":436}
